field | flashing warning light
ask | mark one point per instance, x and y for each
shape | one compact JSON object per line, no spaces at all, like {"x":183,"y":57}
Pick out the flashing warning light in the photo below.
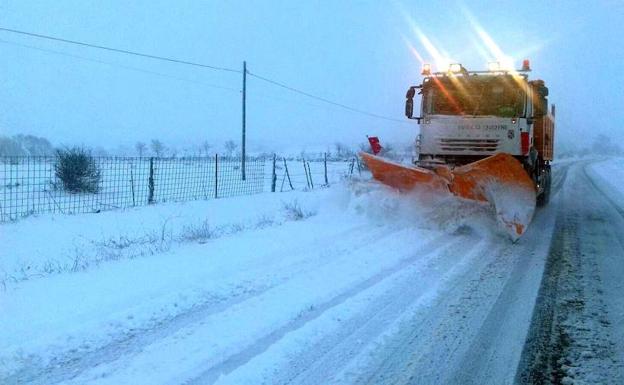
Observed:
{"x":524,"y":143}
{"x":494,"y":66}
{"x":526,"y":65}
{"x":426,"y":69}
{"x":455,"y":68}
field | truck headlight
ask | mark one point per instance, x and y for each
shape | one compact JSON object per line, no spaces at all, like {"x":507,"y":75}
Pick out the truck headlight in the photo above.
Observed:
{"x":455,"y":68}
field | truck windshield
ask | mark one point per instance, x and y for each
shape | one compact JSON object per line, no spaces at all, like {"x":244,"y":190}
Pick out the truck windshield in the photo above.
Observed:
{"x":498,"y":95}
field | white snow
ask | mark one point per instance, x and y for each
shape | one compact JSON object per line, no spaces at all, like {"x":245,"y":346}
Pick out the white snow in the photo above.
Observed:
{"x":85,"y":240}
{"x":610,"y":175}
{"x":514,"y":206}
{"x":339,"y":285}
{"x":258,"y":245}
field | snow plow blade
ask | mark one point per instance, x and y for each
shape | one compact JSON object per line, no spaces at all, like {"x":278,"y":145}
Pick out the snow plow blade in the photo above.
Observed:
{"x":499,"y":179}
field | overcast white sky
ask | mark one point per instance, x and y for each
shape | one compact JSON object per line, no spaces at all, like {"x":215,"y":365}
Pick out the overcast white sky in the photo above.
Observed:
{"x":353,"y":52}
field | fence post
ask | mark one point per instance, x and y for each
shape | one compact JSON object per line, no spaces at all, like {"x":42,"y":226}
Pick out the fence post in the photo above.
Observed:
{"x":288,"y":174}
{"x":325,"y":166}
{"x":305,"y":171}
{"x":216,"y":195}
{"x":150,"y":182}
{"x":273,"y":176}
{"x":132,"y":183}
{"x":358,"y":164}
{"x":310,"y":173}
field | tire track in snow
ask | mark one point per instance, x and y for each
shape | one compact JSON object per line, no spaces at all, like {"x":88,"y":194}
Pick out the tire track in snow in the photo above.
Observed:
{"x":231,"y":363}
{"x":560,"y":173}
{"x":321,"y":362}
{"x":465,"y":336}
{"x":507,"y":324}
{"x":68,"y":366}
{"x":429,"y":339}
{"x":571,"y":338}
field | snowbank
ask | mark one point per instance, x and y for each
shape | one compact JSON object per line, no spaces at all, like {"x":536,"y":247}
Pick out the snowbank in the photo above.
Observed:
{"x":147,"y":275}
{"x":609,"y":175}
{"x":48,"y":244}
{"x":149,"y":265}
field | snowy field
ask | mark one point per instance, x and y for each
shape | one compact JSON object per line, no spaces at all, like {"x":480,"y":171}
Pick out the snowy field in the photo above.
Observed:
{"x":29,"y":186}
{"x":351,"y":284}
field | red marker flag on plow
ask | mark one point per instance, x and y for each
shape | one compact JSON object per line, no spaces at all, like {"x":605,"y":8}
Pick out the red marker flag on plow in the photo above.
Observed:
{"x":374,"y":143}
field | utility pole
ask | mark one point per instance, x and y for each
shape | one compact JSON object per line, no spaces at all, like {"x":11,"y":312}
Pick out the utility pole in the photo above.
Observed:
{"x":244,"y":118}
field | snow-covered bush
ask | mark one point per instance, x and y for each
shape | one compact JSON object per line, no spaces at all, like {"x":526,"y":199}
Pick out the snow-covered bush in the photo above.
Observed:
{"x":77,"y":170}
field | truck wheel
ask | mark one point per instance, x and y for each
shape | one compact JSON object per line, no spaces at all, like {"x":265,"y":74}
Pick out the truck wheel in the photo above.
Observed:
{"x":544,"y":197}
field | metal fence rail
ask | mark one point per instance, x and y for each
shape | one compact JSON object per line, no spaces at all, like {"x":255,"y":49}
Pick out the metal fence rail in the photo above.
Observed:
{"x":29,"y":185}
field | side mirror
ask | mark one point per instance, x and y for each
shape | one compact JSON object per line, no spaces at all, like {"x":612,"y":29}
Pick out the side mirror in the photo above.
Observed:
{"x":409,"y":108}
{"x":409,"y":102}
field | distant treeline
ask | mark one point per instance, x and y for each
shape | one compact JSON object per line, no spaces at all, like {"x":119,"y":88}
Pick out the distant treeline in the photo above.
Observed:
{"x":25,"y":145}
{"x":30,"y":145}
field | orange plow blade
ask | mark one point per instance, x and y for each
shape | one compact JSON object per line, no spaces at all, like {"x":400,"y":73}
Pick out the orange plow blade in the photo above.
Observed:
{"x":499,"y":179}
{"x":403,"y":177}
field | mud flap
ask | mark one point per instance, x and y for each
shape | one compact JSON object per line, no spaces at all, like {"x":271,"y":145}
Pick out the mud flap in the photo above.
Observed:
{"x":499,"y":179}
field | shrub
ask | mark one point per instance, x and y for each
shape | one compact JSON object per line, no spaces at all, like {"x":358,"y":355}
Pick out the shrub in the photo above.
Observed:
{"x":77,"y":170}
{"x":294,"y":212}
{"x":201,"y":233}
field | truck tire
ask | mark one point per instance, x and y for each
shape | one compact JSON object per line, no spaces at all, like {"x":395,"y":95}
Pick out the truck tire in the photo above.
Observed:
{"x":544,"y":197}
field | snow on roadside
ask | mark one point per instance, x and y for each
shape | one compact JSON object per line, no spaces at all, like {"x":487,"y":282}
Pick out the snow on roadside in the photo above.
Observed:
{"x":610,"y":175}
{"x":39,"y":246}
{"x":83,"y":308}
{"x":69,"y":315}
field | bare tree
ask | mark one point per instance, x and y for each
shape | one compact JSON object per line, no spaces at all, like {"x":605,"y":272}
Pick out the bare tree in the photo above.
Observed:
{"x":343,"y":151}
{"x":25,"y":145}
{"x":34,"y":145}
{"x":140,"y":148}
{"x":230,"y":147}
{"x":205,"y":146}
{"x":365,"y":147}
{"x":10,"y":147}
{"x":157,"y":147}
{"x":605,"y":145}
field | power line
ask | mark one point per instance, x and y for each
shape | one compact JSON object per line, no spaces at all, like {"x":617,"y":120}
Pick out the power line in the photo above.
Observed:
{"x":178,"y":61}
{"x":127,"y":52}
{"x":344,"y":106}
{"x":123,"y":66}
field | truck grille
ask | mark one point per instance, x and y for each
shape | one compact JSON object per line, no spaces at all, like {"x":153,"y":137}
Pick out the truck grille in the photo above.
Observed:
{"x":459,"y":145}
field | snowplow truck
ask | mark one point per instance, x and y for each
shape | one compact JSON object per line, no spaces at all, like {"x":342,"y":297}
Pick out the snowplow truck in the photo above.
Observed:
{"x":484,"y":135}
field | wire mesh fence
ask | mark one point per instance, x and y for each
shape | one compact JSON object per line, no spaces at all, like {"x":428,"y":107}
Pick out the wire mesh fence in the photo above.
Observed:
{"x":302,"y":174}
{"x":30,"y":185}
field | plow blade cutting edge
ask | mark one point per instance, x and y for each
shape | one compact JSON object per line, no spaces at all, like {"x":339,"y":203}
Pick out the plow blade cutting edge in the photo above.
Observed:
{"x":499,"y":179}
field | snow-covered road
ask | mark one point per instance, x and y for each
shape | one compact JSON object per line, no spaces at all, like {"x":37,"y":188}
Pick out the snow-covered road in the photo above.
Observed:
{"x":354,"y":286}
{"x":577,"y":334}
